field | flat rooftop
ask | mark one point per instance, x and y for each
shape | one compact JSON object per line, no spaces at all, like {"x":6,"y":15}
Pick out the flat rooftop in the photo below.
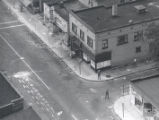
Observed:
{"x":100,"y":18}
{"x":25,"y":114}
{"x":148,"y":88}
{"x":7,"y":92}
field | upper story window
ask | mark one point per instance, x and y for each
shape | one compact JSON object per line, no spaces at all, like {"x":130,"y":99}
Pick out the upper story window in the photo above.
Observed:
{"x":123,"y":39}
{"x":138,"y":49}
{"x":82,"y":35}
{"x":74,"y":28}
{"x":105,"y":44}
{"x":138,"y":35}
{"x":122,"y":1}
{"x":89,"y":42}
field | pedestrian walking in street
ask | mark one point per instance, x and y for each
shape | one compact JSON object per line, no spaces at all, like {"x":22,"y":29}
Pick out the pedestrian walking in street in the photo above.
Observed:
{"x":107,"y":95}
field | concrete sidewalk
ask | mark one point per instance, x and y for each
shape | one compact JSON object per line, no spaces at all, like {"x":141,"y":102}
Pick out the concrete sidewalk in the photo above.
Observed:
{"x":55,"y":43}
{"x":128,"y":111}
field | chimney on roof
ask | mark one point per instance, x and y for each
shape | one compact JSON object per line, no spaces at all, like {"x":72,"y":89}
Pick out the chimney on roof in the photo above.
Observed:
{"x":114,"y":8}
{"x":141,"y":9}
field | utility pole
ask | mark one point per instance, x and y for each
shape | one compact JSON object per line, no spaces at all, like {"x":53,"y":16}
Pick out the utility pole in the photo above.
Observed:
{"x":80,"y":62}
{"x":123,"y":101}
{"x":71,"y":45}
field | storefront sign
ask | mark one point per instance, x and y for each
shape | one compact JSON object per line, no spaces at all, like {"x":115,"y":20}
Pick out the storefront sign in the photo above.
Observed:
{"x":60,"y":22}
{"x":103,"y":64}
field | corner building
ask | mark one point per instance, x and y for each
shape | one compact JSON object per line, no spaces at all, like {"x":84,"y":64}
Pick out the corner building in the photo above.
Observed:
{"x":114,"y":35}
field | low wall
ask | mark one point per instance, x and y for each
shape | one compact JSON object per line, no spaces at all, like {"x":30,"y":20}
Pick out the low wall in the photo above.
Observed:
{"x":13,"y":106}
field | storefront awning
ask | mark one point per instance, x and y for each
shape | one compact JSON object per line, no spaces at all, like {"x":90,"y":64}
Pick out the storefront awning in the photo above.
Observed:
{"x":98,"y":57}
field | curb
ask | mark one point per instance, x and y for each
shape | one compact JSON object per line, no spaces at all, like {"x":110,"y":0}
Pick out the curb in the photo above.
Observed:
{"x":141,"y":71}
{"x":22,"y":19}
{"x":52,"y":50}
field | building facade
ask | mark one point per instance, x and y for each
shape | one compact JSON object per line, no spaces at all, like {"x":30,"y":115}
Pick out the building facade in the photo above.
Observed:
{"x":107,"y":38}
{"x":93,"y":3}
{"x":145,"y":98}
{"x":58,"y":19}
{"x":10,"y":100}
{"x":58,"y":14}
{"x":48,"y":11}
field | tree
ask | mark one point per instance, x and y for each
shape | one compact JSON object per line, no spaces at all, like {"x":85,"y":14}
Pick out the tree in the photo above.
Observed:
{"x":152,"y":34}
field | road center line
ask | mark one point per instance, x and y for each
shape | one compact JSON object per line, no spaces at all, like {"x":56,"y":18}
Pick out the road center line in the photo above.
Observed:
{"x":13,"y":26}
{"x":24,"y":62}
{"x":14,"y":21}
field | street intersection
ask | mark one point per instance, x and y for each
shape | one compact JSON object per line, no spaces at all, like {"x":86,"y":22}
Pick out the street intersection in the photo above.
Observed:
{"x":45,"y":82}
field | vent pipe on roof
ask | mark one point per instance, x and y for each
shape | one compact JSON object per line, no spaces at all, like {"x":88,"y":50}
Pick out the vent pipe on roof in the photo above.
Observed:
{"x":115,"y":8}
{"x":141,"y":9}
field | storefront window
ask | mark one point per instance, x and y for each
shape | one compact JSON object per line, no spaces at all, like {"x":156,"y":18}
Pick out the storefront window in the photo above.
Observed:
{"x":148,"y":107}
{"x":138,"y":102}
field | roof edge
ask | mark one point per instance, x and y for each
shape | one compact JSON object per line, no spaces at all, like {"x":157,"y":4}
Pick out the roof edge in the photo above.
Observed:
{"x":144,"y":78}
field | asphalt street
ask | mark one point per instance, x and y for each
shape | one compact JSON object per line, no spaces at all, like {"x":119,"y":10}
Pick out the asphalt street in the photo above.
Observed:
{"x":43,"y":80}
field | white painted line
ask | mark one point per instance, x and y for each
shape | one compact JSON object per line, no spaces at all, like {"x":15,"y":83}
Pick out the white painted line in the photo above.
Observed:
{"x":46,"y":102}
{"x":14,"y":21}
{"x":42,"y":103}
{"x":60,"y":113}
{"x":74,"y":117}
{"x":31,"y":84}
{"x":24,"y":86}
{"x":25,"y":62}
{"x":19,"y":81}
{"x":34,"y":89}
{"x":43,"y":99}
{"x":52,"y":109}
{"x":13,"y":26}
{"x":47,"y":109}
{"x":28,"y":91}
{"x":27,"y":86}
{"x":37,"y":97}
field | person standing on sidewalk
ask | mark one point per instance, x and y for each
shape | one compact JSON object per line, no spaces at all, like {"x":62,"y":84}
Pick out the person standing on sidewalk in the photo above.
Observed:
{"x":99,"y":74}
{"x":107,"y":95}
